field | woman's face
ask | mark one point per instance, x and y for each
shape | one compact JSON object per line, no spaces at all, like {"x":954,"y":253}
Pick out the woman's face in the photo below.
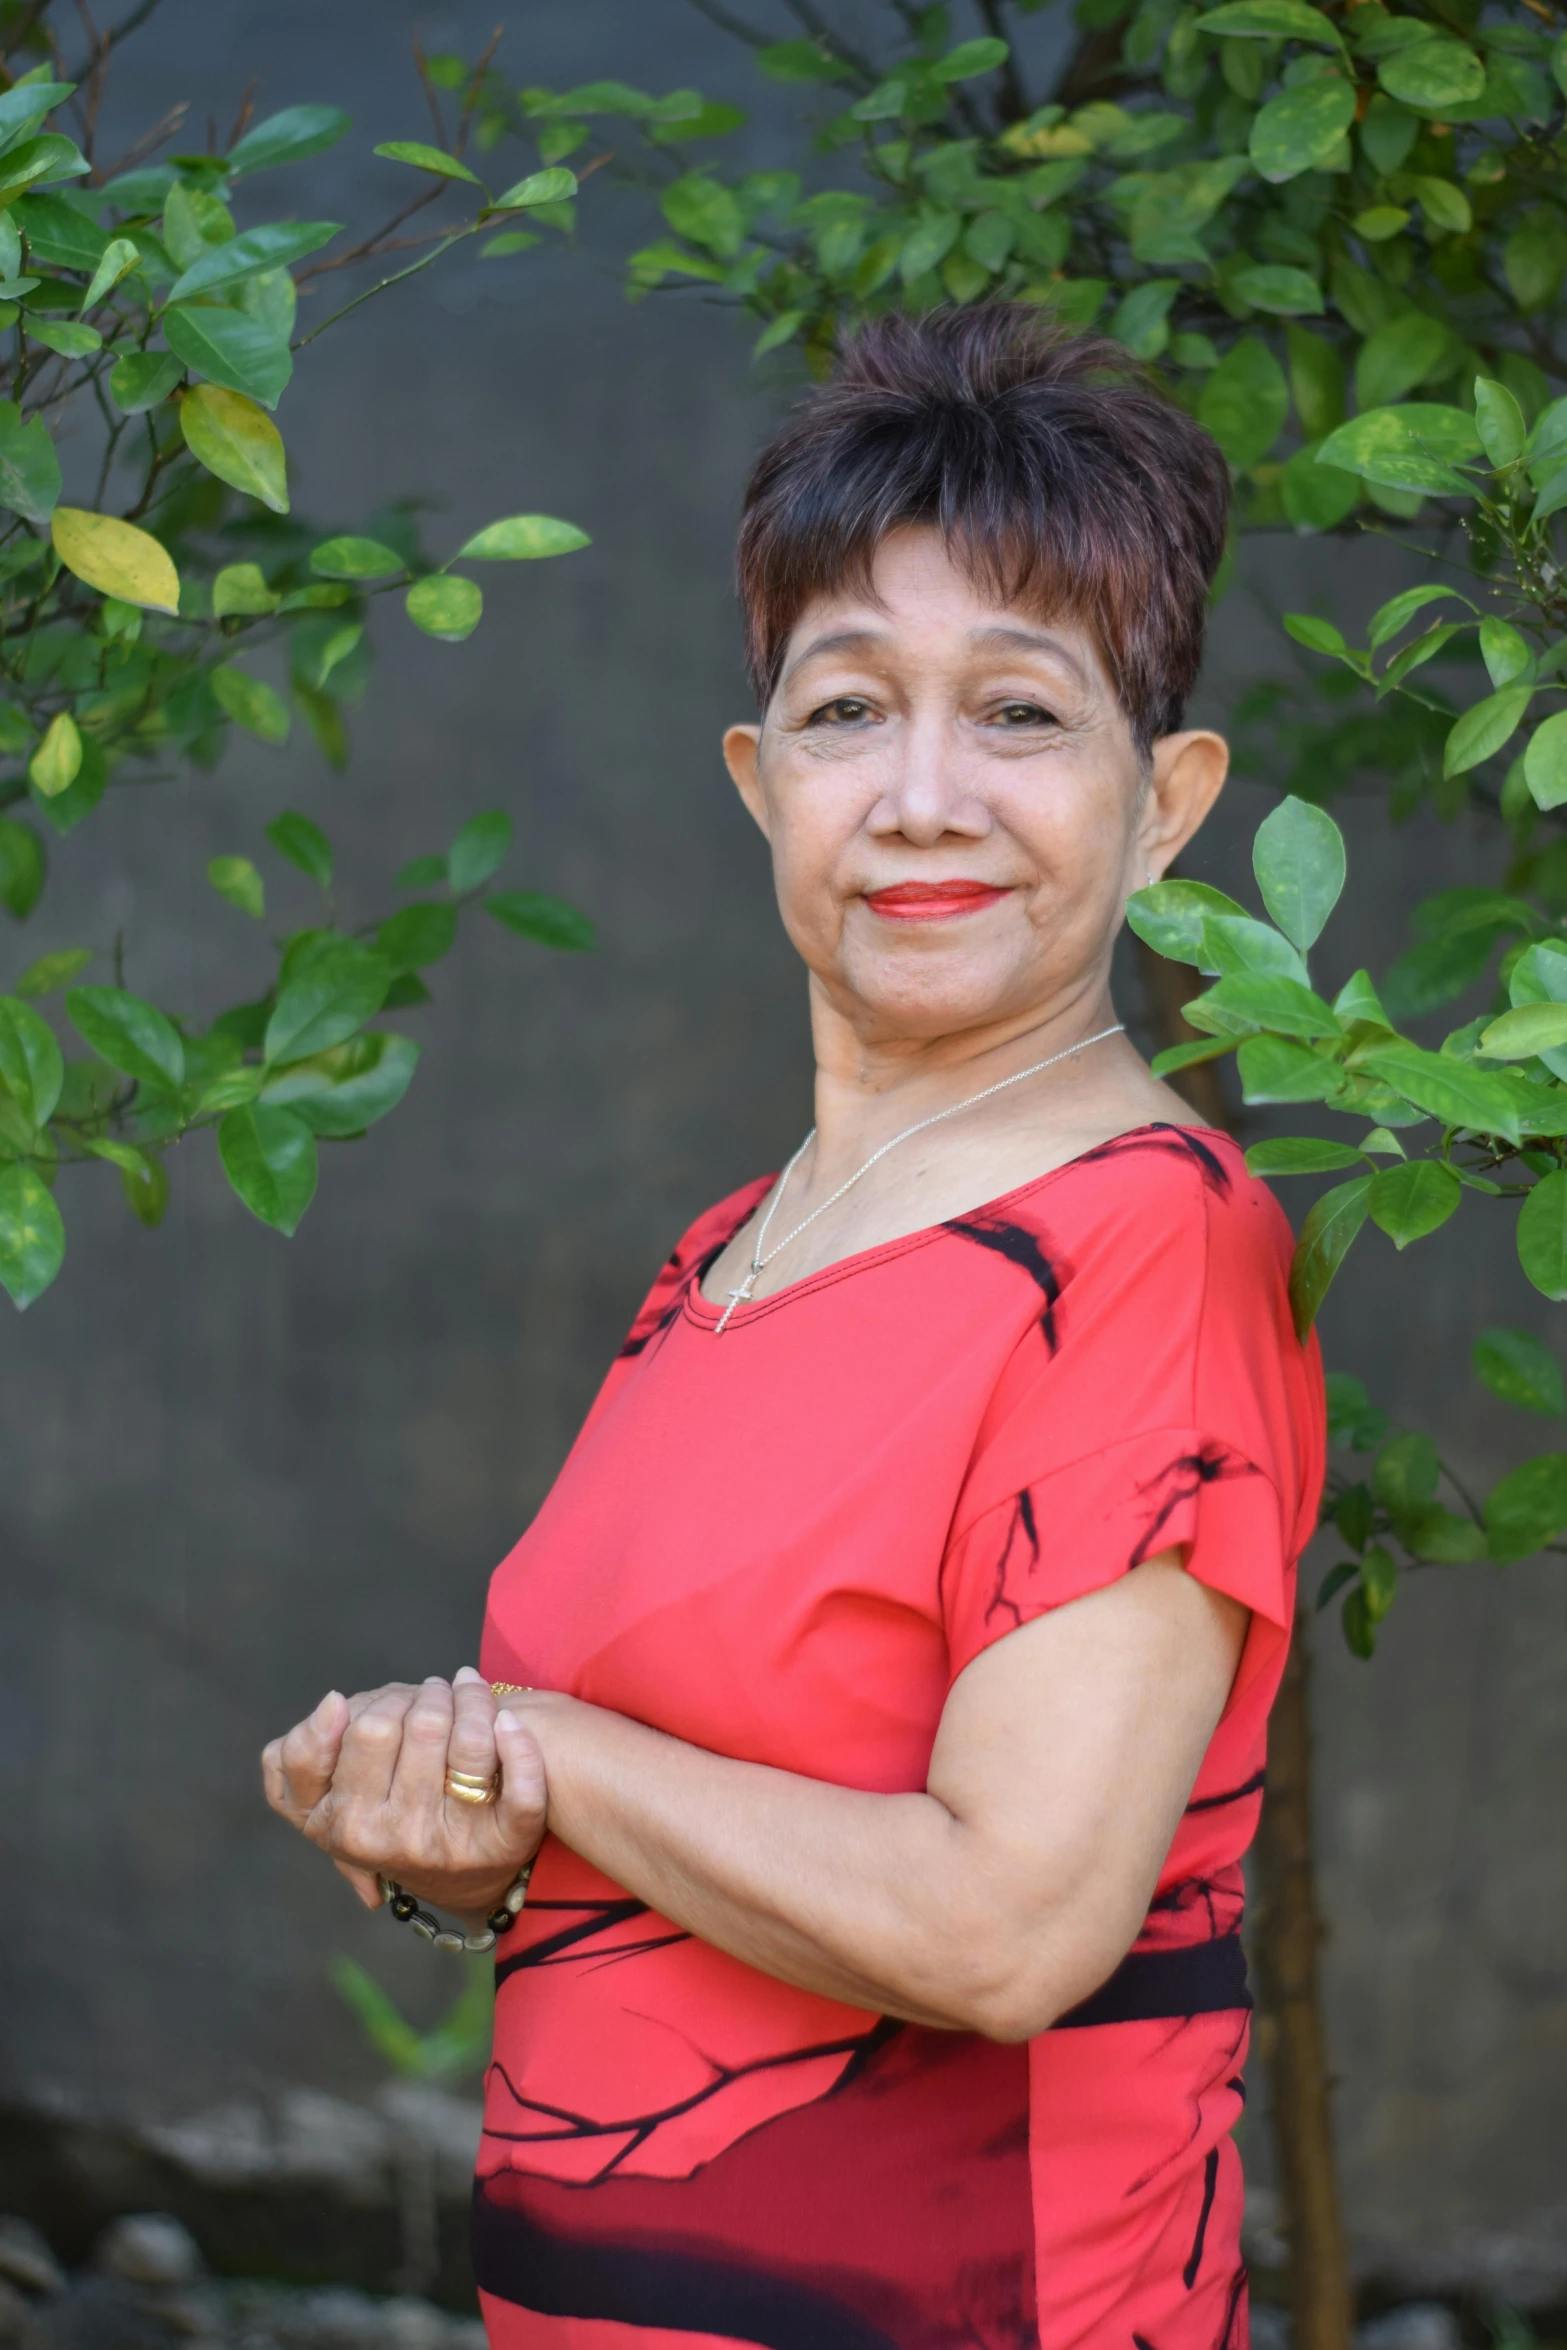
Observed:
{"x":956,"y":809}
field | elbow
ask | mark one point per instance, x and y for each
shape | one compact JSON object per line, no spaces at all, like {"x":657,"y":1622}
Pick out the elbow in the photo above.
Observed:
{"x":1014,"y":1994}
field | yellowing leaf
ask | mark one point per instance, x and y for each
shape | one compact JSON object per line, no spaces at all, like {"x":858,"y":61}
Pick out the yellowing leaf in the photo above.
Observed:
{"x":237,"y":440}
{"x":55,"y":764}
{"x":116,"y":558}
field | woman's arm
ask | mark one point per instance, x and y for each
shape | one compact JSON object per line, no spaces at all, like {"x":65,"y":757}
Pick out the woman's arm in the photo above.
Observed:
{"x":993,"y":1902}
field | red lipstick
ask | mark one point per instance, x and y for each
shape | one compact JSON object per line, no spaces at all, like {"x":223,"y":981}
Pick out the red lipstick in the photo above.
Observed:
{"x":932,"y":901}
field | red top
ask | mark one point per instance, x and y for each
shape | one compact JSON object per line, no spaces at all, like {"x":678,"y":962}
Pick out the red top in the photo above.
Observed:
{"x":783,"y":1544}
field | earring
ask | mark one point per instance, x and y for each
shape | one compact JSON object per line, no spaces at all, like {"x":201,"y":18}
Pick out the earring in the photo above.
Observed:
{"x":1148,"y":869}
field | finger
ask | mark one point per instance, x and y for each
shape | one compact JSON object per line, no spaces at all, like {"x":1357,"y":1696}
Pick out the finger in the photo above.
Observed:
{"x":364,"y":1698}
{"x":472,"y":1746}
{"x":522,"y":1805}
{"x":418,"y":1790}
{"x":363,"y":1882}
{"x":307,"y":1757}
{"x":371,"y":1744}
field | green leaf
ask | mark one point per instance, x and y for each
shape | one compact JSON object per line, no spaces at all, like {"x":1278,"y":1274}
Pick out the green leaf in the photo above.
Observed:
{"x":48,"y":157}
{"x":1515,"y":1366}
{"x":236,"y":879}
{"x":242,"y":588}
{"x":418,"y":934}
{"x":1379,"y":223}
{"x":706,"y":212}
{"x":1300,"y":1154}
{"x":1498,"y":421}
{"x":1527,"y":1508}
{"x":22,"y":867}
{"x":478,"y":849}
{"x":54,"y":766}
{"x":231,"y":348}
{"x":1480,"y":733}
{"x":32,"y":1236}
{"x":422,"y":873}
{"x":1542,"y":1235}
{"x":1387,"y":132}
{"x":971,"y":58}
{"x":288,"y":137}
{"x":1288,"y":293}
{"x":269,"y":1157}
{"x":251,"y":703}
{"x":355,"y":558}
{"x":1360,"y":1633}
{"x":30,"y":1061}
{"x":1398,"y":611}
{"x":1412,"y":1199}
{"x":434,"y":160}
{"x":522,"y":538}
{"x":71,"y":342}
{"x":927,"y":244}
{"x":339,"y":987}
{"x":29,"y":467}
{"x":1527,"y":1030}
{"x":445,"y":605}
{"x":238,"y":441}
{"x":548,"y":920}
{"x":555,"y":186}
{"x":1378,"y":1581}
{"x":276,"y":246}
{"x":1237,"y":1006}
{"x":1406,"y":1473}
{"x":1445,"y":1088}
{"x":1236,"y":947}
{"x":1432,"y":75}
{"x":372,"y":1074}
{"x":1298,"y":858}
{"x":1244,"y":402}
{"x":1316,"y":497}
{"x":1545,"y":762}
{"x":1397,"y":357}
{"x":116,"y":558}
{"x":1444,"y":205}
{"x":801,"y":61}
{"x":1334,"y":1581}
{"x":1299,"y":129}
{"x":1141,"y":319}
{"x":53,"y":971}
{"x":142,"y":379}
{"x":1274,"y":1069}
{"x":1325,"y":1240}
{"x":1187,"y":1056}
{"x":304,"y":844}
{"x":1316,"y":375}
{"x":1169,"y":916}
{"x":1319,"y":636}
{"x":1273,"y":20}
{"x":128,"y":1033}
{"x":120,"y":256}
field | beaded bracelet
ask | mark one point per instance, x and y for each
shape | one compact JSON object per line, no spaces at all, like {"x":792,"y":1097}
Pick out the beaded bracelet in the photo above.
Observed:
{"x":429,"y":1928}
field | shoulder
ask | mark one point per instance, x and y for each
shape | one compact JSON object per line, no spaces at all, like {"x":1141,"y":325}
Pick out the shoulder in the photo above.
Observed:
{"x":688,"y":1260}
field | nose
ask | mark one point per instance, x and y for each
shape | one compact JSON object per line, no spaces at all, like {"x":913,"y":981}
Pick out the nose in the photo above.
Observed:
{"x":928,"y":793}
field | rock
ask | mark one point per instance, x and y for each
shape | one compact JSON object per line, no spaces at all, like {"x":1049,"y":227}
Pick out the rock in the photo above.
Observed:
{"x":148,"y":2248}
{"x":26,"y":2260}
{"x":1419,"y":2325}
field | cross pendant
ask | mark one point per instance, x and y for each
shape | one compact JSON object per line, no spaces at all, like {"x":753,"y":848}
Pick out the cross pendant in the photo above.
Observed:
{"x":736,"y":1297}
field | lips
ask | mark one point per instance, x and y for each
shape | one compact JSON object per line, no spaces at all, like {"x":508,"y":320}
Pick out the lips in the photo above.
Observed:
{"x":932,"y":901}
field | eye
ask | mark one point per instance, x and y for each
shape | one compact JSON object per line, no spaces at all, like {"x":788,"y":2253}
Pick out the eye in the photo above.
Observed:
{"x":1014,"y":714}
{"x":843,"y":710}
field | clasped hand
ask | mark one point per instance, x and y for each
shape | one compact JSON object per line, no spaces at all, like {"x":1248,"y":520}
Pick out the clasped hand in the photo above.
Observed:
{"x":364,"y":1778}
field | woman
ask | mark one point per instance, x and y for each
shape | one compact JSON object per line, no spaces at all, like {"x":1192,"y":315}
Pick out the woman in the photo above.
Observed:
{"x":887,"y":1672}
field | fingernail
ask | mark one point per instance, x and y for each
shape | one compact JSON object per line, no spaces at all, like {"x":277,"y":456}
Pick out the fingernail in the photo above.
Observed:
{"x":466,"y":1673}
{"x":434,"y":1681}
{"x":332,"y":1699}
{"x":506,"y":1720}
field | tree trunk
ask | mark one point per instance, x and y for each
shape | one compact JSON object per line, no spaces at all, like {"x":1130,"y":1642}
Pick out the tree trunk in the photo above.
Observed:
{"x":1290,"y":2038}
{"x":1289,"y":1933}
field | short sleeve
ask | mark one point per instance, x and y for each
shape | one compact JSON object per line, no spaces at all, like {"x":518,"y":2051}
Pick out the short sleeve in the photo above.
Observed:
{"x":1167,"y":1406}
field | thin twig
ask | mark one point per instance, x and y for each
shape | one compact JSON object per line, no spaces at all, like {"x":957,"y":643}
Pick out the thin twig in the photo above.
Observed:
{"x":810,"y":17}
{"x":1014,"y":99}
{"x":147,"y":144}
{"x":396,"y":278}
{"x":423,"y":71}
{"x":717,"y":14}
{"x":373,"y":245}
{"x":247,"y":107}
{"x":113,"y":37}
{"x":465,"y":119}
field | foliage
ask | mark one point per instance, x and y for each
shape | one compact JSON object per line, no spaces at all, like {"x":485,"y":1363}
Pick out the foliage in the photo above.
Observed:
{"x":458,"y":2046}
{"x":148,"y":311}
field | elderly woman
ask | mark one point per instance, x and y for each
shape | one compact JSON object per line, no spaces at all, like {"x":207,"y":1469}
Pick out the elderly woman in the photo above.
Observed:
{"x":878,"y":1699}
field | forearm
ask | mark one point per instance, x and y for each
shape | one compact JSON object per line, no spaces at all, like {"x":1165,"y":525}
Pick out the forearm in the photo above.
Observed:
{"x":882,"y":1901}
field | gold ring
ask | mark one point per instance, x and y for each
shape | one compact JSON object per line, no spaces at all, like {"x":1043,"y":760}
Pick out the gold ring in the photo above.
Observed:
{"x":482,"y":1794}
{"x":469,"y":1778}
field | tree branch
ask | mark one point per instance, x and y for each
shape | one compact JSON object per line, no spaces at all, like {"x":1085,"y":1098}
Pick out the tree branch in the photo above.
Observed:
{"x":717,"y":14}
{"x":476,"y":84}
{"x":1014,"y":100}
{"x":113,"y":37}
{"x":810,"y":18}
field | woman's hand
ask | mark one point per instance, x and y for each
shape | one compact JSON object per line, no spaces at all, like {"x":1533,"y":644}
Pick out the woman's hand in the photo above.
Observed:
{"x":365,"y":1779}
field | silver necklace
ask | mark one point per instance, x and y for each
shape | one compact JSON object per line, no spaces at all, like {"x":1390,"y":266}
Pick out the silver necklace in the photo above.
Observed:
{"x":760,"y":1263}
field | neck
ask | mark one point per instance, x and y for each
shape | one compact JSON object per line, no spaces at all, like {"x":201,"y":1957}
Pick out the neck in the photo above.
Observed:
{"x":871,"y":1086}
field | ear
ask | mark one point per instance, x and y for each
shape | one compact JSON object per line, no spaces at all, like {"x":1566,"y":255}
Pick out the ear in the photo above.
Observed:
{"x":742,"y":757}
{"x":1187,"y":776}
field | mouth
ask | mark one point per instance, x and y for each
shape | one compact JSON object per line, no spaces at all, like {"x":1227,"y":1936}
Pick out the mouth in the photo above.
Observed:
{"x":933,"y":901}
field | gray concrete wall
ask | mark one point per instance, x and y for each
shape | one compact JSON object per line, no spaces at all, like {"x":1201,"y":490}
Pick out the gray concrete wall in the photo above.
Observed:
{"x":238,"y":1470}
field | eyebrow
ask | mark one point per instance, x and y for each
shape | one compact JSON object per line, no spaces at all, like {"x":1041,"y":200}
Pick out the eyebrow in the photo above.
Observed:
{"x":998,"y":637}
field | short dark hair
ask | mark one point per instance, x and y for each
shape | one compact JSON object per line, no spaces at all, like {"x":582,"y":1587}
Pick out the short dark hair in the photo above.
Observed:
{"x":1058,"y":473}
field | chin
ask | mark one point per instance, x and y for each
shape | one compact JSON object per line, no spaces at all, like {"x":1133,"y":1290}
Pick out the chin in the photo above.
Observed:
{"x":933,"y":995}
